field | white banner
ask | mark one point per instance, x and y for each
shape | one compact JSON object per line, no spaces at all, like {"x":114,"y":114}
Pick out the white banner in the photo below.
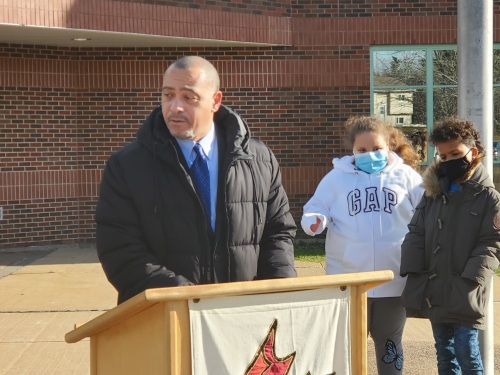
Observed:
{"x":296,"y":333}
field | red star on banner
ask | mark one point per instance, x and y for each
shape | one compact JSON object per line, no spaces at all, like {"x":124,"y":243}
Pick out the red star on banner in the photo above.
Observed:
{"x":265,"y":361}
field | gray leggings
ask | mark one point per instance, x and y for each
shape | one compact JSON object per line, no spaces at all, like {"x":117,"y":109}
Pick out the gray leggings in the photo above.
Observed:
{"x":386,"y":321}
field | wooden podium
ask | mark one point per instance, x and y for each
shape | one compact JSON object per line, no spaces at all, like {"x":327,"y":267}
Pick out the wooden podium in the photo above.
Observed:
{"x":150,"y":333}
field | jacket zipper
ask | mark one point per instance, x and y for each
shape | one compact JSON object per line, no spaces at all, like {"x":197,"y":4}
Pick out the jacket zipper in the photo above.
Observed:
{"x":205,"y":267}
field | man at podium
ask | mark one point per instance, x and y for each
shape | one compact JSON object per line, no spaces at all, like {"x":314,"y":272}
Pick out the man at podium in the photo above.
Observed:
{"x":193,"y":199}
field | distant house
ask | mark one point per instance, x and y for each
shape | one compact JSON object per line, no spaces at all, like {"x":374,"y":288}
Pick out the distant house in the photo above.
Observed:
{"x":395,"y":106}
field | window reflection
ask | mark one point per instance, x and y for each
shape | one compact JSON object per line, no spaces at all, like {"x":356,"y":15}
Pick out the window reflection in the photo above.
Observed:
{"x":445,"y":102}
{"x":496,"y":66}
{"x":445,"y":67}
{"x":401,"y":91}
{"x":405,"y":109}
{"x":406,"y":68}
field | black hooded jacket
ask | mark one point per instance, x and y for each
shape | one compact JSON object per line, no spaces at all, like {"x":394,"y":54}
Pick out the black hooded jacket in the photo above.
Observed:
{"x":151,"y":229}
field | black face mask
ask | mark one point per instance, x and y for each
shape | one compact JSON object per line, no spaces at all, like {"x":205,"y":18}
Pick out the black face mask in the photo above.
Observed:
{"x":454,"y":169}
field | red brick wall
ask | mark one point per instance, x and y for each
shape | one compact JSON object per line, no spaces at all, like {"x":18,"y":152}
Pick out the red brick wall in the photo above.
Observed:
{"x":63,"y":111}
{"x":260,"y":22}
{"x":265,"y":7}
{"x":370,"y":8}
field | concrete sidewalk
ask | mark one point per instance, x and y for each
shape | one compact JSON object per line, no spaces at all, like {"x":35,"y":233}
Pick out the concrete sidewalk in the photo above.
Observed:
{"x":45,"y":291}
{"x":418,"y":342}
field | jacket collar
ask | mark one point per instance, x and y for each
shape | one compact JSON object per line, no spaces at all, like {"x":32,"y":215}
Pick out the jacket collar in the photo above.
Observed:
{"x":476,"y":178}
{"x":235,"y":129}
{"x":154,"y":134}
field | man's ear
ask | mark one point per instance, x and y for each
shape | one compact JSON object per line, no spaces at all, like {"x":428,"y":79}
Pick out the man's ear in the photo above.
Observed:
{"x":217,"y":101}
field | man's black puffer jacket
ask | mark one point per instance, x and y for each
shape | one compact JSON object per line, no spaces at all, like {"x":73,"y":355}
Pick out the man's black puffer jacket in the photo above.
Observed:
{"x":151,"y":229}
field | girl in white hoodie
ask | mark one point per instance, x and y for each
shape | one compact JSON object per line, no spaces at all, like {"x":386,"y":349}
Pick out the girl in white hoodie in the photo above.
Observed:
{"x":366,"y":202}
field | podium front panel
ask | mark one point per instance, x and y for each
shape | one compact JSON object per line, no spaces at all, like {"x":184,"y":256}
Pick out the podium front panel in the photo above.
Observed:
{"x":302,"y":332}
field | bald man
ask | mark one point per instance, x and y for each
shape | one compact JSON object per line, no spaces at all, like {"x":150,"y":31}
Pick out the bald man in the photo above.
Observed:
{"x":194,"y":199}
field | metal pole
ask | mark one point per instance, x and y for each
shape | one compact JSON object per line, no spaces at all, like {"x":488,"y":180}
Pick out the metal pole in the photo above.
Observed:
{"x":475,"y":102}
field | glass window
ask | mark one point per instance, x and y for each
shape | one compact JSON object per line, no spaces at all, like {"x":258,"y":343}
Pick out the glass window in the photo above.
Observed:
{"x":496,"y":114}
{"x":399,"y":93}
{"x":496,"y":97}
{"x":399,"y":68}
{"x":496,"y":66}
{"x":412,"y":87}
{"x":496,"y":133}
{"x":445,"y":67}
{"x":445,"y":102}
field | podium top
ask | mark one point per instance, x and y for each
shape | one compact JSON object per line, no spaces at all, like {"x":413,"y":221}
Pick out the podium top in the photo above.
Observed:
{"x":158,"y":295}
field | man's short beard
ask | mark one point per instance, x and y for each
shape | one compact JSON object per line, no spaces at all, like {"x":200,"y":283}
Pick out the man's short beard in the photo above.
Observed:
{"x":184,"y":135}
{"x":187,"y":135}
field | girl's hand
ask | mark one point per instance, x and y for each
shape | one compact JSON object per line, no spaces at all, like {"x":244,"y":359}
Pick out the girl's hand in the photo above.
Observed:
{"x":313,"y":223}
{"x":314,"y":227}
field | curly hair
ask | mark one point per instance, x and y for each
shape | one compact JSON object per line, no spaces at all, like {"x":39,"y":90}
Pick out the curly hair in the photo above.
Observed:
{"x":455,"y":128}
{"x":400,"y":144}
{"x":395,"y":138}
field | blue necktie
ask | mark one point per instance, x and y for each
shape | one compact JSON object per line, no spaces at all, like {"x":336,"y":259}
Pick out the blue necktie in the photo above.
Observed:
{"x":201,"y":178}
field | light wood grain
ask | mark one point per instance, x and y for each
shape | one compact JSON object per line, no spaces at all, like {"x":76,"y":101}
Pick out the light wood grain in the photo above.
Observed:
{"x":150,"y":333}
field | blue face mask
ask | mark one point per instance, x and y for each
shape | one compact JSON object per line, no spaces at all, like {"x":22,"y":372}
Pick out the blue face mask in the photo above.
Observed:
{"x":371,"y":162}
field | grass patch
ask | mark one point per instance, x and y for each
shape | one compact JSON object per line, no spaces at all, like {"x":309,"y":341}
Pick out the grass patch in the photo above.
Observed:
{"x":315,"y":252}
{"x":310,"y":251}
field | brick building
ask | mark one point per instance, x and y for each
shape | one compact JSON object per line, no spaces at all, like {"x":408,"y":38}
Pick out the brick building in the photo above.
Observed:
{"x":78,"y":77}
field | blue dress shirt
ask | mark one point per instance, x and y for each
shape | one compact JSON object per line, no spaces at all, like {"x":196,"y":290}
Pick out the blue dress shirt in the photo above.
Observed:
{"x":209,"y":145}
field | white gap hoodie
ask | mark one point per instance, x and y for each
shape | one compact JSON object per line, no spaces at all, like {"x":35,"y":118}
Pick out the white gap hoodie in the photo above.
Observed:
{"x":366,"y":216}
